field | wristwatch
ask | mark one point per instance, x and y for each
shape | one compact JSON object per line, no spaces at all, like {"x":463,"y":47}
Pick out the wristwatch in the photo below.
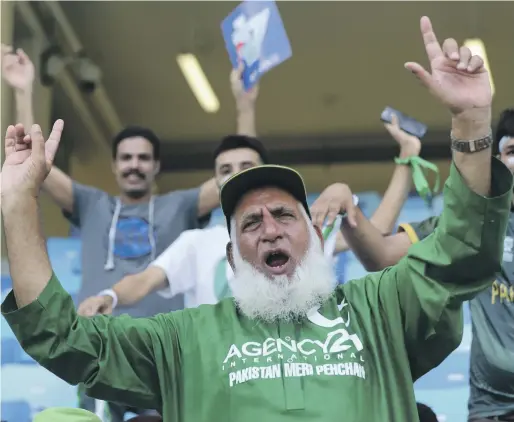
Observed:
{"x":472,"y":145}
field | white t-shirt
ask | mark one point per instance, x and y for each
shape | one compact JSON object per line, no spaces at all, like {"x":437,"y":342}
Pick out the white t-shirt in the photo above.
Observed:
{"x":196,"y":265}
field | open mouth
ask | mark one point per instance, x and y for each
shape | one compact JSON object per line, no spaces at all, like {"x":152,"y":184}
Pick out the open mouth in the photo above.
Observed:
{"x":277,"y":260}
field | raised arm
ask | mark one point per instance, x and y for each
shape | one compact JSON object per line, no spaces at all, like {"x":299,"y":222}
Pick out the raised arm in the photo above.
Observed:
{"x":423,"y":294}
{"x":18,"y":72}
{"x":464,"y":253}
{"x":245,"y":107}
{"x":367,"y":238}
{"x":60,"y":188}
{"x":458,"y":258}
{"x":245,"y":103}
{"x":371,"y":247}
{"x":397,"y":192}
{"x":128,"y":291}
{"x":385,"y":216}
{"x":113,"y":357}
{"x":374,"y":250}
{"x":456,"y":262}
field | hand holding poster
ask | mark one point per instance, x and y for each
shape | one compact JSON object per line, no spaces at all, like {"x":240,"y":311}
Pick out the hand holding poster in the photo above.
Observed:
{"x":254,"y":34}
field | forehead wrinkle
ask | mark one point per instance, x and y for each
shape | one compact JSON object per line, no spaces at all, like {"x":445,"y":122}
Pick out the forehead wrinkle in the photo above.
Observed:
{"x":280,"y":197}
{"x":272,"y":209}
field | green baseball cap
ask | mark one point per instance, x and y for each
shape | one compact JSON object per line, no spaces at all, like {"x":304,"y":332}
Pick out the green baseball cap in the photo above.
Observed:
{"x":241,"y":183}
{"x":66,"y":414}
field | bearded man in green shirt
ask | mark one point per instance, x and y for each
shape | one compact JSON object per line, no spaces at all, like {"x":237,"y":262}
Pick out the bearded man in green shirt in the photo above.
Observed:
{"x":290,"y":346}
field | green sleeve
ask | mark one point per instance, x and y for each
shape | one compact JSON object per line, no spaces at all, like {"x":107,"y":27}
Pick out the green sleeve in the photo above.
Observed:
{"x":115,"y":357}
{"x":418,"y":231}
{"x":429,"y":285}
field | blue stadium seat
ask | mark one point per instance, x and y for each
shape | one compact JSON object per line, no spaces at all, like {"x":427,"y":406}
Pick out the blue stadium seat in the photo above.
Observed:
{"x":416,"y":209}
{"x":450,"y":405}
{"x":369,"y":202}
{"x":467,"y":314}
{"x":76,"y":265}
{"x":353,"y":267}
{"x":13,"y":353}
{"x":6,"y":283}
{"x":10,"y":351}
{"x":438,"y":204}
{"x":65,"y":258}
{"x":16,"y":411}
{"x":36,"y":386}
{"x":453,"y":372}
{"x":340,"y":267}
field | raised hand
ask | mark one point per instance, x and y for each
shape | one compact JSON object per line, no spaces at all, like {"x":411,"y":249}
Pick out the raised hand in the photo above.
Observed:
{"x":335,"y":199}
{"x":456,"y":78}
{"x":28,"y":158}
{"x":95,"y":305}
{"x":410,"y":145}
{"x":17,"y":69}
{"x":244,"y":99}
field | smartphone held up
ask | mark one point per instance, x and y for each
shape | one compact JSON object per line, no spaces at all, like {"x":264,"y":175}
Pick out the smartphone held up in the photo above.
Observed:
{"x":407,"y":124}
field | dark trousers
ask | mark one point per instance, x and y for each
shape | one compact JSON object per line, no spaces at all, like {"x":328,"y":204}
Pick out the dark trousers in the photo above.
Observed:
{"x":115,"y":412}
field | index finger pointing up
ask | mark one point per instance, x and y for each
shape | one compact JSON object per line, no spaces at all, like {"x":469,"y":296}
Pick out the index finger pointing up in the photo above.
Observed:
{"x":432,"y":46}
{"x":53,"y":140}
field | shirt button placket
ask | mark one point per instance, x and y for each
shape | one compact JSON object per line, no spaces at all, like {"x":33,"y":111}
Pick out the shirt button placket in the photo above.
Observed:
{"x":293,"y":385}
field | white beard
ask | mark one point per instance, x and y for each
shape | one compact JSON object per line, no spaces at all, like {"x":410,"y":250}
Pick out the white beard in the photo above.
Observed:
{"x":282,"y":298}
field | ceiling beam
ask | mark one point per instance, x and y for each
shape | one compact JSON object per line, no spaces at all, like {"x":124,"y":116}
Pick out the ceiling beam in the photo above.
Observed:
{"x":64,"y":78}
{"x":191,"y":155}
{"x":99,"y":97}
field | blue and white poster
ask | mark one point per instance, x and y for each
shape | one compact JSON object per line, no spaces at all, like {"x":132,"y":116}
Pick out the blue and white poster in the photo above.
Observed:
{"x":254,"y":33}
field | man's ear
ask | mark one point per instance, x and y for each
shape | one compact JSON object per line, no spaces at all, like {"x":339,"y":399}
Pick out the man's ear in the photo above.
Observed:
{"x":230,"y":256}
{"x":157,"y":168}
{"x":320,"y":235}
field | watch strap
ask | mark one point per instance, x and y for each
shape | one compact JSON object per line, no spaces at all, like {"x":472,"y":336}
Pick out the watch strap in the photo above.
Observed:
{"x":470,"y":146}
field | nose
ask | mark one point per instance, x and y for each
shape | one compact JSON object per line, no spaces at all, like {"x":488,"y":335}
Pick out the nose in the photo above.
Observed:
{"x":134,"y":163}
{"x":271,"y":230}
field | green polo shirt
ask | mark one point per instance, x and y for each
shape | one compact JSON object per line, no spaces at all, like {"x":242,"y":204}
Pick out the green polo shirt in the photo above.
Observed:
{"x":354,"y":359}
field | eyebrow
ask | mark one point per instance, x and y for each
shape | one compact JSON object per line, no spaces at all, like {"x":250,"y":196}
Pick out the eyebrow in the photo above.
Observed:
{"x":140,"y":155}
{"x":243,"y":163}
{"x":257,"y":215}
